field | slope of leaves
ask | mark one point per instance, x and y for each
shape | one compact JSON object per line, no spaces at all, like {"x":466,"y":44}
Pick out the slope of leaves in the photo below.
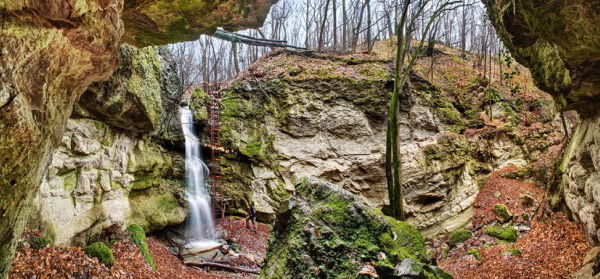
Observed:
{"x":510,"y":192}
{"x":549,"y":246}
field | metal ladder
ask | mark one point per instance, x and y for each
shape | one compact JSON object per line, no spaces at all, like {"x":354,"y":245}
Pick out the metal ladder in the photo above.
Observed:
{"x":214,"y":110}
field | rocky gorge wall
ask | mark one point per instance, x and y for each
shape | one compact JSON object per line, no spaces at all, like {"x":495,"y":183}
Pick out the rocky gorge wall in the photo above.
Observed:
{"x":51,"y":51}
{"x":559,"y":43}
{"x":110,"y":170}
{"x":291,"y":117}
{"x":101,"y":180}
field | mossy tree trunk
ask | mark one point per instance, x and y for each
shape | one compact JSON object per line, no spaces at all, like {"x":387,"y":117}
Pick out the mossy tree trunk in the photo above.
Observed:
{"x":405,"y":60}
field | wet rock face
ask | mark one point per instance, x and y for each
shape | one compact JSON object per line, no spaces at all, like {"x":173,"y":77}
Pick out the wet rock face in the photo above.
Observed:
{"x":101,"y":180}
{"x":326,"y":232}
{"x":50,"y":52}
{"x":558,"y":41}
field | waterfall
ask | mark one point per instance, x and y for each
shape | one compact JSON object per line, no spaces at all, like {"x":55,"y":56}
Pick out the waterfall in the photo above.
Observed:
{"x":200,"y":228}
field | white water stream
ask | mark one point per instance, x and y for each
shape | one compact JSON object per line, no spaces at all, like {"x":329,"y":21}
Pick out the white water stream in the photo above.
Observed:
{"x":200,"y":228}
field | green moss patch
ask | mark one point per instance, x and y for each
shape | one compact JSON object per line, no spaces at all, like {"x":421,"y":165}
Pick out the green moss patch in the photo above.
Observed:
{"x":100,"y":251}
{"x":513,"y":251}
{"x":502,"y":212}
{"x":39,"y":242}
{"x":157,"y":207}
{"x":138,"y":238}
{"x":475,"y":253}
{"x":458,"y":237}
{"x":502,"y":232}
{"x":327,"y":233}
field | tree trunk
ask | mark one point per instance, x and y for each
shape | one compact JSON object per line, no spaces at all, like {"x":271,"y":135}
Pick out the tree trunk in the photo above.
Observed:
{"x":236,"y":64}
{"x":369,"y":27}
{"x":335,"y":37}
{"x":322,"y":32}
{"x":393,"y":156}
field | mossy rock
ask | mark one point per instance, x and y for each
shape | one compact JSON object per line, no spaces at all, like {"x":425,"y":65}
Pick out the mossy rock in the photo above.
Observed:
{"x":458,"y":237}
{"x":156,"y":208}
{"x":475,"y":253}
{"x":138,"y":238}
{"x":513,"y":251}
{"x":326,"y":232}
{"x":39,"y":242}
{"x":502,"y":232}
{"x":501,"y":210}
{"x":101,"y":251}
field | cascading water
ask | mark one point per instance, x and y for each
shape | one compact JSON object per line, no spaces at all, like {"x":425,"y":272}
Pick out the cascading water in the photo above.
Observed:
{"x":200,"y":228}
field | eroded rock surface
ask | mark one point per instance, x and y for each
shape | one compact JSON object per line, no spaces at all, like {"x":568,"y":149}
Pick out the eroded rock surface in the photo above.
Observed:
{"x":558,"y":42}
{"x":50,"y":52}
{"x":142,"y":96}
{"x":109,"y":170}
{"x":292,"y":116}
{"x":101,"y":180}
{"x":581,"y":176}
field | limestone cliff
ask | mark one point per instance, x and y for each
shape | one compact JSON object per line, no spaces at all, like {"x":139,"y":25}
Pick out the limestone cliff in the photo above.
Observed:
{"x":559,"y":42}
{"x":141,"y":97}
{"x":292,"y":116}
{"x":50,"y":52}
{"x":109,"y":170}
{"x":101,"y":180}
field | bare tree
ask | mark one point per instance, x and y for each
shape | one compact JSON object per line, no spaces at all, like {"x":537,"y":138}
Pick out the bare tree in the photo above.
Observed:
{"x":322,"y":31}
{"x":405,"y":59}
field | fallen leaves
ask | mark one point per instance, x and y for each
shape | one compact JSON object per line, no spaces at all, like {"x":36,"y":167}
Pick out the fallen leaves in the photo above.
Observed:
{"x":554,"y":247}
{"x":57,"y":262}
{"x":510,"y":192}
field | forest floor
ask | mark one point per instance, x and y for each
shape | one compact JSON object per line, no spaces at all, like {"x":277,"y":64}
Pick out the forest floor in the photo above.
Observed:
{"x":548,"y":245}
{"x":54,"y":262}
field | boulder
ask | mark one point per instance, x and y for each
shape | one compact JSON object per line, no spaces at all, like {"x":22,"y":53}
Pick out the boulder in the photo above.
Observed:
{"x":142,"y":95}
{"x":327,"y":232}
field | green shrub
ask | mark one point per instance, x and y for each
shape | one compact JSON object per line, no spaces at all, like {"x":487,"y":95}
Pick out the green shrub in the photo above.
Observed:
{"x":138,"y":238}
{"x":475,"y":253}
{"x":514,"y":251}
{"x":502,"y":211}
{"x":39,"y":242}
{"x":458,"y":237}
{"x":501,"y":232}
{"x":101,"y":251}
